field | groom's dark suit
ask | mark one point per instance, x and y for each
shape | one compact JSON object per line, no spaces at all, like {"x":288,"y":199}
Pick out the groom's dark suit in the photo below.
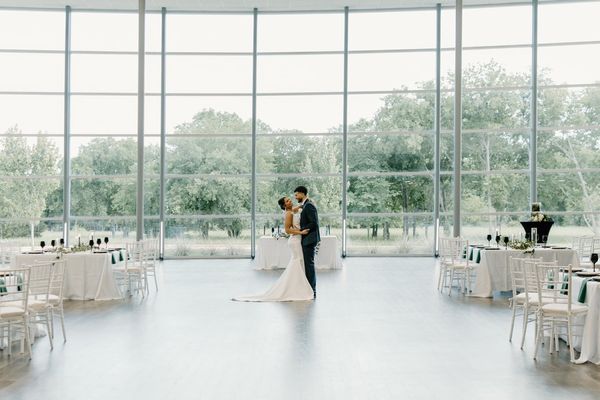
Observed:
{"x":309,"y":219}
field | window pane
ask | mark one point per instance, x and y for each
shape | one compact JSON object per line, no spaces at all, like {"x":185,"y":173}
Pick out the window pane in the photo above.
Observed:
{"x":324,"y":191}
{"x":40,"y":30}
{"x":314,"y":73}
{"x":390,"y":153}
{"x":385,"y":235}
{"x":30,"y":198}
{"x":103,"y":156}
{"x":103,"y":197}
{"x":197,"y":237}
{"x":209,"y":74}
{"x":32,"y":114}
{"x":390,"y":194}
{"x":489,"y":151}
{"x":577,"y":192}
{"x":570,"y":64}
{"x":200,"y":114}
{"x":392,"y":30}
{"x":394,"y":71}
{"x":104,"y":115}
{"x":32,"y":72}
{"x":301,"y":32}
{"x":568,"y":22}
{"x":487,"y":26}
{"x":104,"y":31}
{"x":118,"y":230}
{"x":18,"y":233}
{"x":210,"y":155}
{"x":223,"y":33}
{"x":202,"y":196}
{"x":104,"y":73}
{"x":310,"y":114}
{"x":299,"y":154}
{"x":495,"y":193}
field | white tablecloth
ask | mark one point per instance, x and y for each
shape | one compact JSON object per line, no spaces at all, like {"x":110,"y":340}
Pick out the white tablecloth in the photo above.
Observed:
{"x":87,"y":276}
{"x":589,"y":342}
{"x":274,"y":253}
{"x":493,"y":272}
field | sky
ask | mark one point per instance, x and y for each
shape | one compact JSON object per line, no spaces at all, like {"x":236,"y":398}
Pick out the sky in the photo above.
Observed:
{"x":106,"y":115}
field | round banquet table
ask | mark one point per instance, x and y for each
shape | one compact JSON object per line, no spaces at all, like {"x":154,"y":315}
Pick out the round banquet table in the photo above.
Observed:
{"x":88,"y":276}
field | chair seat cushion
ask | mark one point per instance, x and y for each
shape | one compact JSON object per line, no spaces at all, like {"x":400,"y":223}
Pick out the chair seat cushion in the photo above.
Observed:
{"x":562,"y":308}
{"x":11,"y":312}
{"x":534,"y":299}
{"x":128,"y":269}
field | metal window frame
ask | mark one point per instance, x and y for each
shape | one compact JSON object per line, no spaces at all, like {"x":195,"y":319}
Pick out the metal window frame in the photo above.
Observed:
{"x":534,"y":130}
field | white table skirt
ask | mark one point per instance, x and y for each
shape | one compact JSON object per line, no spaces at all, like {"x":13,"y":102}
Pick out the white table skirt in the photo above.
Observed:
{"x":589,"y":341}
{"x":274,"y":253}
{"x":493,"y":272}
{"x":87,"y":276}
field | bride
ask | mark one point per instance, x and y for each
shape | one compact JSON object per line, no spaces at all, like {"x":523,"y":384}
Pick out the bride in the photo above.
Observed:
{"x":292,"y":285}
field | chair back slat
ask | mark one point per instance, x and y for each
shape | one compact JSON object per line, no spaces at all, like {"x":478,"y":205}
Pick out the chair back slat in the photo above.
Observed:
{"x":14,"y":287}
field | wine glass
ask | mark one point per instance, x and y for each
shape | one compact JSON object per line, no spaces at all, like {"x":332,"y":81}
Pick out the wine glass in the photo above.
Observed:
{"x":498,"y":240}
{"x":42,"y":244}
{"x":545,"y":239}
{"x":506,"y":242}
{"x":489,"y":239}
{"x":106,"y":242}
{"x":62,"y":242}
{"x":98,"y":242}
{"x":53,"y":243}
{"x":91,"y":243}
{"x":594,"y":260}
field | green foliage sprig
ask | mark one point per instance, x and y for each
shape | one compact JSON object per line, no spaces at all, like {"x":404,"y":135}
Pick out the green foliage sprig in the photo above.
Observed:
{"x":521,"y":244}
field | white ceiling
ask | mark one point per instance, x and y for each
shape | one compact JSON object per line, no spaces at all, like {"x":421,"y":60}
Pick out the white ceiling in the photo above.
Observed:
{"x":239,"y":5}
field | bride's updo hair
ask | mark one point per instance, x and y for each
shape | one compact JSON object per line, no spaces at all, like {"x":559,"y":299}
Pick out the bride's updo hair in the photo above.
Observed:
{"x":281,"y":203}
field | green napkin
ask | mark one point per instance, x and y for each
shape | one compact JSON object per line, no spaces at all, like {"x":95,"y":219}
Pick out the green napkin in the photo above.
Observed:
{"x":2,"y":287}
{"x":471,"y":255}
{"x":112,"y":256}
{"x":583,"y":290}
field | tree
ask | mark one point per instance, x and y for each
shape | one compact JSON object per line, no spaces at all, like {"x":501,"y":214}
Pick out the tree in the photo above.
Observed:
{"x":28,"y":167}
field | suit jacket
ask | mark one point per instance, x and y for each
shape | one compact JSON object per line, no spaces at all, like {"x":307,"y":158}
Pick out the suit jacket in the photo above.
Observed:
{"x":309,"y":219}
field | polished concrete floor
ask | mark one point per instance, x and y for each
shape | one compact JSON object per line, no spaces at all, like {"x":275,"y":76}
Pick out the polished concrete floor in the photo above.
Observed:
{"x":378,"y":330}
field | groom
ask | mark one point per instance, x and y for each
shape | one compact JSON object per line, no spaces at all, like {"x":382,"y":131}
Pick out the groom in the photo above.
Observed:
{"x":309,"y":219}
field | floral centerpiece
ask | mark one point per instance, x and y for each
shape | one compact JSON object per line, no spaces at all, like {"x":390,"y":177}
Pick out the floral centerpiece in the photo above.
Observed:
{"x":537,"y":215}
{"x":517,"y":244}
{"x":539,"y":222}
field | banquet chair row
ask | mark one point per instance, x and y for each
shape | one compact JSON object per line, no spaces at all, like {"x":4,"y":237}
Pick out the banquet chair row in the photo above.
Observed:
{"x":29,"y":296}
{"x":454,"y":265}
{"x":543,"y":293}
{"x":139,"y":265}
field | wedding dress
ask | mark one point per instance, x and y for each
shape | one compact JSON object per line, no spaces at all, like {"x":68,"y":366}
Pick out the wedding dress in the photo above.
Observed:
{"x":292,"y":285}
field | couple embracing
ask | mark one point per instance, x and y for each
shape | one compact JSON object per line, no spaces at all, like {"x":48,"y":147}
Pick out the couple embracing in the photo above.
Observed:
{"x":299,"y":281}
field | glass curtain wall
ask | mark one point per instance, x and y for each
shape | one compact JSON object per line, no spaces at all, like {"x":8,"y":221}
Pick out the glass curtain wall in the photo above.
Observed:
{"x":103,"y":116}
{"x":300,"y":136}
{"x":208,"y":135}
{"x":391,"y":105}
{"x":31,"y":126}
{"x":568,"y":173}
{"x":496,"y":105}
{"x":299,"y":104}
